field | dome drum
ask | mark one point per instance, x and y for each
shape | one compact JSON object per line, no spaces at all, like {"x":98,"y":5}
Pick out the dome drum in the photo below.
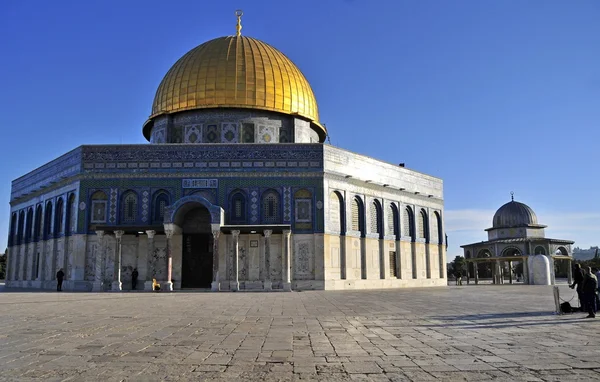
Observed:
{"x":231,"y":126}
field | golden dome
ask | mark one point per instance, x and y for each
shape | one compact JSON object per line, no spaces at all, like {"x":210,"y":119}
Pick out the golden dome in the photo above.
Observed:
{"x":235,"y":72}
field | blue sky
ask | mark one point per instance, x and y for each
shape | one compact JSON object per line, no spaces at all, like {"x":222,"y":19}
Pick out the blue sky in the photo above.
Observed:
{"x":492,"y":97}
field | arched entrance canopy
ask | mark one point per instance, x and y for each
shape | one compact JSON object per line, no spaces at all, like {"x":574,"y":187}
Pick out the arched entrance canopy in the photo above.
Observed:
{"x":175,"y":213}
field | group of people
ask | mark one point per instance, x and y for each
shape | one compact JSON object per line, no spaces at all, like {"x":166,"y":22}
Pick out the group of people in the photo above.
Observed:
{"x":585,"y":281}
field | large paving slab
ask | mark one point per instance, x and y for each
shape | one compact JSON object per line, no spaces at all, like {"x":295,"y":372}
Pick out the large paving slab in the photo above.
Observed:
{"x":475,"y":333}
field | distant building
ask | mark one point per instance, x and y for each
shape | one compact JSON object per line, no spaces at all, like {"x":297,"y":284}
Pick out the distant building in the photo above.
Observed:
{"x":514,"y":237}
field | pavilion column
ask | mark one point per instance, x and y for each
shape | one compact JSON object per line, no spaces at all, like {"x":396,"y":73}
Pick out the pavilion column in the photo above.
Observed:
{"x":116,"y":284}
{"x":168,"y":284}
{"x":98,"y":284}
{"x":525,"y":270}
{"x":476,"y":272}
{"x":149,"y":258}
{"x":570,"y":272}
{"x":286,"y":271}
{"x":510,"y":272}
{"x":234,"y":284}
{"x":498,"y":276}
{"x":267,"y":284}
{"x":215,"y":285}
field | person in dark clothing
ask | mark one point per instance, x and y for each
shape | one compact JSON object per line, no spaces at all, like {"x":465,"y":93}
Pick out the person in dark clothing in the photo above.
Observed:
{"x":578,"y":281}
{"x":60,"y":275}
{"x":590,"y":284}
{"x":134,"y":277}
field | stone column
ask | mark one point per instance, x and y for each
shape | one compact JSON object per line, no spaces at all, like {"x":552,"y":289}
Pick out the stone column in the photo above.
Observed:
{"x":149,"y":258}
{"x":286,"y":261}
{"x":476,"y":272}
{"x":570,"y":272}
{"x":234,"y":284}
{"x":510,"y":272}
{"x":116,"y":284}
{"x":168,"y":284}
{"x":98,"y":284}
{"x":526,"y":270}
{"x":267,"y":284}
{"x":215,"y":285}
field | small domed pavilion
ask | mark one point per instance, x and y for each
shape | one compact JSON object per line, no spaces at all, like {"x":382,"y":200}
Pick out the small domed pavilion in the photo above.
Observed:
{"x":514,"y":236}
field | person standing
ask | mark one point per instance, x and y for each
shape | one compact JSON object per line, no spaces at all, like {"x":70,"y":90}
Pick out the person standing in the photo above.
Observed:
{"x":134,"y":277}
{"x":60,"y":275}
{"x":589,"y":289}
{"x":578,"y":281}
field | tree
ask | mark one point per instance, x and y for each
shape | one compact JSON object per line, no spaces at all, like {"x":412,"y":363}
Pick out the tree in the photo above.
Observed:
{"x":459,"y":264}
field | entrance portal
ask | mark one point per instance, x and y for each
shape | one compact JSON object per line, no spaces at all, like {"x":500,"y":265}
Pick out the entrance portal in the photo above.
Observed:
{"x":197,"y":260}
{"x":197,"y":251}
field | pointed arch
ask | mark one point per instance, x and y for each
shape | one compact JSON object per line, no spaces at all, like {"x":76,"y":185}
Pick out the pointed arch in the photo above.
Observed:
{"x":271,"y":210}
{"x":48,"y":221}
{"x":358,"y":215}
{"x":392,"y":221}
{"x":238,"y":207}
{"x":70,"y":221}
{"x":422,"y":226}
{"x":160,"y":200}
{"x":129,"y":207}
{"x":408,"y":223}
{"x":436,"y":228}
{"x":29,"y":225}
{"x":12,"y":239}
{"x":375,"y":218}
{"x":59,"y":215}
{"x":21,"y":227}
{"x":337,"y":211}
{"x":37,"y":230}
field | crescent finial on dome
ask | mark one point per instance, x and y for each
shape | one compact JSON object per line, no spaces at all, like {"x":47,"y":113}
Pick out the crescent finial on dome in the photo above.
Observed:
{"x":238,"y":27}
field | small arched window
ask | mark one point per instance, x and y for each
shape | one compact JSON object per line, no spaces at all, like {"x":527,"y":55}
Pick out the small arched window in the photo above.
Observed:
{"x":408,"y":223}
{"x":336,"y":212}
{"x":392,"y":220}
{"x":539,"y":250}
{"x":48,"y":221}
{"x":436,"y":227}
{"x":358,"y":218}
{"x":129,"y":208}
{"x":238,"y":207}
{"x":99,"y":206}
{"x":375,"y":217}
{"x":58,"y":224}
{"x":161,"y":201}
{"x":270,"y":207}
{"x":37,"y":230}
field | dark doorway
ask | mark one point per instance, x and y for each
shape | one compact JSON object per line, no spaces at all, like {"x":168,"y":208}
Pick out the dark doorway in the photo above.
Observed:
{"x":197,"y":260}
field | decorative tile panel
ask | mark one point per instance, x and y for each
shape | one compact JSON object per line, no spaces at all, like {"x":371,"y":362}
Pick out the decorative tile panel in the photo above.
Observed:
{"x":229,"y":133}
{"x":287,"y":204}
{"x":254,"y":205}
{"x":267,"y":134}
{"x":145,"y":205}
{"x":112,"y":216}
{"x":193,"y":133}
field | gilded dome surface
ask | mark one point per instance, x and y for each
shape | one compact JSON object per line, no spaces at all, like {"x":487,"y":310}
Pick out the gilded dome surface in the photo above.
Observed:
{"x":236,"y":72}
{"x":514,"y":214}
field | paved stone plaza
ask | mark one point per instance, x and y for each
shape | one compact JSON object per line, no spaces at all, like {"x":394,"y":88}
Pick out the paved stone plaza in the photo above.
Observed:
{"x":506,"y":332}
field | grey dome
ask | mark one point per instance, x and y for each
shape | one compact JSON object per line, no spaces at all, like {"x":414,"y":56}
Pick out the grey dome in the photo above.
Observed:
{"x":514,"y":214}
